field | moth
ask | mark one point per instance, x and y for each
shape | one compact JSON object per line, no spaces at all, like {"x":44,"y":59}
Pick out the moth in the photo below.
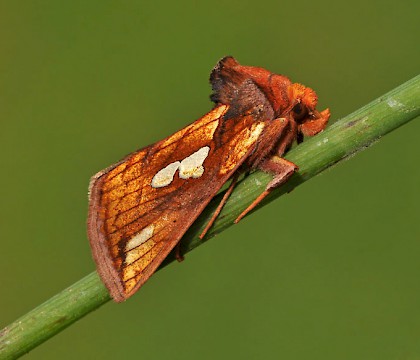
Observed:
{"x":140,"y":207}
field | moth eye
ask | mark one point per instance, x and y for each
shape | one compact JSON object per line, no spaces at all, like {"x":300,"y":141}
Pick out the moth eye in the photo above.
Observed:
{"x":299,"y":111}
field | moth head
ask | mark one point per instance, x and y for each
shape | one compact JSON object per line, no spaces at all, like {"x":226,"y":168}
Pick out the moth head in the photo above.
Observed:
{"x":303,"y":102}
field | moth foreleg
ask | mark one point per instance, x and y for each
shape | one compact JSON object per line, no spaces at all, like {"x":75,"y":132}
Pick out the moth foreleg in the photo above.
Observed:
{"x":287,"y":138}
{"x":281,"y":169}
{"x":313,"y":127}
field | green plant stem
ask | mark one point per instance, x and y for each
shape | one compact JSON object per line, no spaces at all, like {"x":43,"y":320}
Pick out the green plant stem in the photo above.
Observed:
{"x":346,"y":137}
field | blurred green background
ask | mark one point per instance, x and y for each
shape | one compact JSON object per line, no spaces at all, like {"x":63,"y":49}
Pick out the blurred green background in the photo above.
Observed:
{"x":83,"y":83}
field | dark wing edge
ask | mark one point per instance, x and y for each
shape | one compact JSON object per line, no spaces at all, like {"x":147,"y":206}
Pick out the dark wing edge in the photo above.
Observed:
{"x":97,"y":240}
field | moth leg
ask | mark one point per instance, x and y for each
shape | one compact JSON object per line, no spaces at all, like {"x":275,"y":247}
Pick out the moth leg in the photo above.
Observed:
{"x":178,"y":256}
{"x":282,"y":171}
{"x":313,"y":127}
{"x":287,"y":139}
{"x":220,"y":207}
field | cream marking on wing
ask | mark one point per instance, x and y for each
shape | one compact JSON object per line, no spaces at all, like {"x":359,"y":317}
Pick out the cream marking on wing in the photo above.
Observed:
{"x":192,"y":166}
{"x":250,"y":136}
{"x":136,"y":253}
{"x":165,"y":176}
{"x":140,"y":238}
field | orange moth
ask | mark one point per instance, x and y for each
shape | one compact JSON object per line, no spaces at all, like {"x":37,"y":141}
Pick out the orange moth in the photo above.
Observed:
{"x":141,"y":206}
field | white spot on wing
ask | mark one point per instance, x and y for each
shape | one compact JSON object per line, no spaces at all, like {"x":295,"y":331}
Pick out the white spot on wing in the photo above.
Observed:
{"x":192,"y":166}
{"x":140,"y":238}
{"x":165,"y":176}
